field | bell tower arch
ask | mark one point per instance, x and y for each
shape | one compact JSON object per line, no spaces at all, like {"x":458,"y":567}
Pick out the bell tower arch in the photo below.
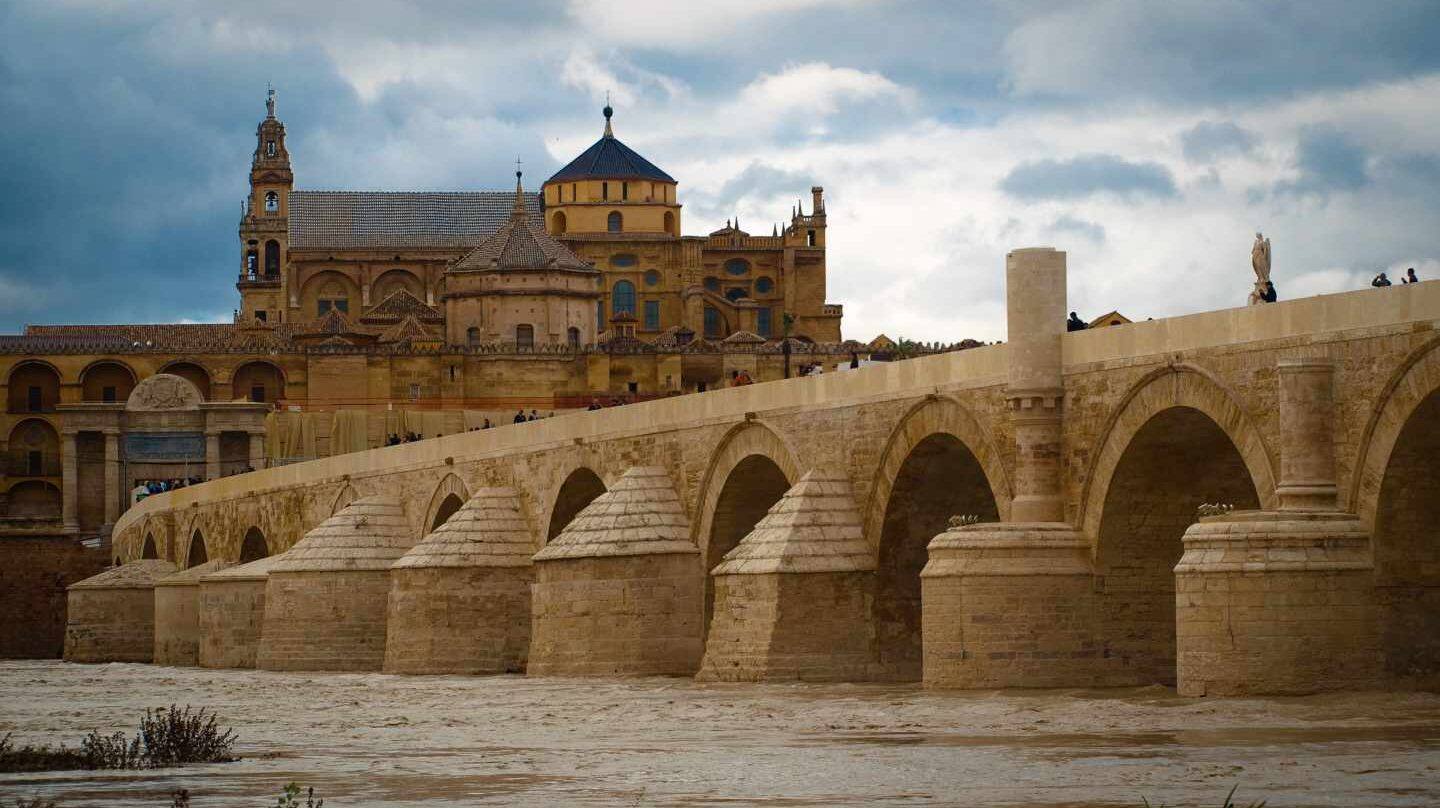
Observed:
{"x":265,"y":222}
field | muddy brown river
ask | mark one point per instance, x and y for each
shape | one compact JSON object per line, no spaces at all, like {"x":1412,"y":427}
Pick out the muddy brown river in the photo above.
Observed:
{"x":375,"y":740}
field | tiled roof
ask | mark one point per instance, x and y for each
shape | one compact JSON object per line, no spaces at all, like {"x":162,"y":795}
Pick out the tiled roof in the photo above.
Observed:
{"x":386,"y":219}
{"x":521,"y":244}
{"x":610,"y":159}
{"x":409,"y":328}
{"x":398,"y":305}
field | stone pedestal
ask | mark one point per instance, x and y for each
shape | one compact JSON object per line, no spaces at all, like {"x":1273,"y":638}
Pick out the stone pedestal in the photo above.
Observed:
{"x":792,"y":600}
{"x":1276,"y":603}
{"x":111,"y":616}
{"x":177,"y":615}
{"x":621,"y":591}
{"x":1009,"y":605}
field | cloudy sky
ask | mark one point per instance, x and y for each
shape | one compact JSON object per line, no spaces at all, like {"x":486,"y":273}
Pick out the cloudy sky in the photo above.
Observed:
{"x":1149,"y":140}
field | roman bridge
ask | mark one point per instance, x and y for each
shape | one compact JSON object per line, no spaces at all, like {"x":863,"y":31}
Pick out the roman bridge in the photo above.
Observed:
{"x":804,"y":528}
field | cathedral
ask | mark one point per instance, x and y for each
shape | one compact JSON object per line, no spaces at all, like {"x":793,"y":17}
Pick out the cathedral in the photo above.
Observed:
{"x":363,"y":315}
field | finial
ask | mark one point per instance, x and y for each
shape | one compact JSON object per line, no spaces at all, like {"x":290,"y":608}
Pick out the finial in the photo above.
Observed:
{"x":269,"y":100}
{"x":727,"y":224}
{"x":608,"y":112}
{"x":737,"y":221}
{"x":800,"y":207}
{"x":774,"y":230}
{"x":518,"y":210}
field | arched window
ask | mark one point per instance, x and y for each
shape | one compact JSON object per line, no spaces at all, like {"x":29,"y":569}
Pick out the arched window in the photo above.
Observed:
{"x":332,"y":296}
{"x":572,"y":335}
{"x":252,"y":262}
{"x":557,"y":222}
{"x":712,"y":284}
{"x":272,"y":257}
{"x":737,"y":266}
{"x":269,"y":148}
{"x":472,"y":336}
{"x":525,"y":336}
{"x":613,"y":222}
{"x":652,"y":278}
{"x":670,"y":223}
{"x":712,"y":322}
{"x":764,"y":285}
{"x":622,"y":298}
{"x":272,"y":202}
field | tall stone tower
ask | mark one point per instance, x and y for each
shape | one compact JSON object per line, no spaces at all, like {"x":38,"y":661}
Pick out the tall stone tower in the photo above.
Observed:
{"x":265,"y":222}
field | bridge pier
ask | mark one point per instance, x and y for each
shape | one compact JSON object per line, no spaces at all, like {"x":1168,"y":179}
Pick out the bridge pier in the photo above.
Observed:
{"x":1282,"y":602}
{"x":1011,"y":604}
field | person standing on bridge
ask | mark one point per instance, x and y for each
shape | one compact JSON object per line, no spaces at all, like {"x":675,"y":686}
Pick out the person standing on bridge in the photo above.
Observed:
{"x":1409,"y":276}
{"x":520,"y":416}
{"x":1075,"y":323}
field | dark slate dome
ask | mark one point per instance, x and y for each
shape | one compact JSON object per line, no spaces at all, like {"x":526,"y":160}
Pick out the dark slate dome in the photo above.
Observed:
{"x":610,"y":159}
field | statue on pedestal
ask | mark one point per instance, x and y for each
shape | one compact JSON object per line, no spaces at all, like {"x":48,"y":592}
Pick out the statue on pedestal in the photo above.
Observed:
{"x":1260,"y":262}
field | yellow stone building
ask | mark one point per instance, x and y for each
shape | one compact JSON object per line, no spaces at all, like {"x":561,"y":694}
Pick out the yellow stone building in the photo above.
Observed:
{"x":424,"y":312}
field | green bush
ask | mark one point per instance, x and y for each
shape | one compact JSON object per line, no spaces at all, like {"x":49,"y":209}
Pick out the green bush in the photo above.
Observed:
{"x":166,"y":738}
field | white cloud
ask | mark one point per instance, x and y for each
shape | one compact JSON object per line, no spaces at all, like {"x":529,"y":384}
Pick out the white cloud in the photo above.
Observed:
{"x":669,"y":24}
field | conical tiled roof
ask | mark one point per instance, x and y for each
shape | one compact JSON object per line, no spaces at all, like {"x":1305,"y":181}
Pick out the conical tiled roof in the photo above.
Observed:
{"x":134,"y":575}
{"x":813,"y":528}
{"x":610,"y":159}
{"x":521,"y":244}
{"x":192,"y":576}
{"x":257,"y":570}
{"x":489,"y":530}
{"x":641,"y":515}
{"x":398,"y":305}
{"x":407,"y":329}
{"x":369,"y":534}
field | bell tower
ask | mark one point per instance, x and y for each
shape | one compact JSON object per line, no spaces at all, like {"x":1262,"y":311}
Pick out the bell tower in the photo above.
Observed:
{"x":265,"y":222}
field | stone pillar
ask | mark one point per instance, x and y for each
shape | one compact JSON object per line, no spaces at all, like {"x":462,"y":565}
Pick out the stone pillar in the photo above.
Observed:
{"x":1307,"y":435}
{"x":112,"y":477}
{"x":1012,"y":604}
{"x":257,"y":450}
{"x":212,"y":455}
{"x":1035,"y":309}
{"x":1282,"y":602}
{"x":70,"y":483}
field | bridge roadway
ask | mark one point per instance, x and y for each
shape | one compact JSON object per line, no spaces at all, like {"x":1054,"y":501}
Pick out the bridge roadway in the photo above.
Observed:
{"x":1080,"y":458}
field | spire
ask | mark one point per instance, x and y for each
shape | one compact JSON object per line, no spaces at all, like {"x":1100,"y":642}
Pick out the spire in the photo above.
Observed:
{"x":517,"y":212}
{"x":608,"y":112}
{"x":800,"y":206}
{"x":269,"y":100}
{"x":737,"y":221}
{"x":774,"y":230}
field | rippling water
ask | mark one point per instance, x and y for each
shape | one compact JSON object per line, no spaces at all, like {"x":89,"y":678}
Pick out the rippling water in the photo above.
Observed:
{"x":375,"y":740}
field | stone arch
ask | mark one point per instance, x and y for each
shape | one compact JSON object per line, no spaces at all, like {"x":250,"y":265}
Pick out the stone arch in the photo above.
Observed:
{"x":331,"y":286}
{"x":938,"y":463}
{"x":751,"y":470}
{"x":258,"y":376}
{"x":33,"y":499}
{"x":1179,"y":385}
{"x":394,"y":279}
{"x":557,"y":223}
{"x":148,"y":549}
{"x":1397,"y":491}
{"x":196,"y":554}
{"x":447,"y":498}
{"x":34,"y":447}
{"x":253,"y":546}
{"x":107,"y":373}
{"x":1408,"y":387}
{"x":346,"y":495}
{"x":191,"y":372}
{"x":41,"y":375}
{"x":581,"y":487}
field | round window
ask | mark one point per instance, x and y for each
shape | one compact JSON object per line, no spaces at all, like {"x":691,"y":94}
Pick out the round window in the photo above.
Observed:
{"x":712,"y":283}
{"x":764,"y":286}
{"x":622,"y":260}
{"x":737,"y":266}
{"x":652,"y":278}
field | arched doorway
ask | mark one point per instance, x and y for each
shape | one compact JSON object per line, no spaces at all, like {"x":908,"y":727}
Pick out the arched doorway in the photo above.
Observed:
{"x":197,"y":554}
{"x":260,"y":382}
{"x":107,"y":381}
{"x":148,"y":550}
{"x":34,"y":499}
{"x":579,"y":489}
{"x":193,"y":373}
{"x":33,"y":387}
{"x":447,"y":509}
{"x":939,"y":478}
{"x":754,"y":485}
{"x":1178,"y":460}
{"x":253,"y":546}
{"x":1407,"y":550}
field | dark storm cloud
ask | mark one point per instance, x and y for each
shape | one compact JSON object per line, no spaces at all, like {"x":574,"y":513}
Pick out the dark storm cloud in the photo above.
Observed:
{"x":1088,"y":175}
{"x":1208,"y":141}
{"x":1328,"y":162}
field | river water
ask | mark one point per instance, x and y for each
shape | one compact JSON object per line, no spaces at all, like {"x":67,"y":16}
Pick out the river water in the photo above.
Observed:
{"x":376,"y":740}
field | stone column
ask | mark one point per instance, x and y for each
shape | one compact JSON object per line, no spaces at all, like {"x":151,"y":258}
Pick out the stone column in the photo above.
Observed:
{"x":1012,"y":604}
{"x":1282,"y":602}
{"x":70,"y":483}
{"x":212,"y":455}
{"x":112,"y":477}
{"x":257,"y":450}
{"x":1035,"y":309}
